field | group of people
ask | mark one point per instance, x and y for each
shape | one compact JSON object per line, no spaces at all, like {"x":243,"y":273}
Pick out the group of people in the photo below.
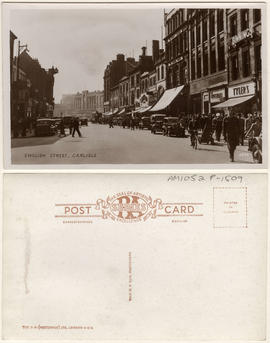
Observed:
{"x":235,"y":127}
{"x":74,"y":126}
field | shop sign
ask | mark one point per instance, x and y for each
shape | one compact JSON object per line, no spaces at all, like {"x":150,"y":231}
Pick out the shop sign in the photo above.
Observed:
{"x":205,"y":96}
{"x":217,"y":96}
{"x":248,"y":33}
{"x":242,"y":90}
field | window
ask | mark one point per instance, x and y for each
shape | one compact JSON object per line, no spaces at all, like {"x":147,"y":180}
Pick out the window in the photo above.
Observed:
{"x":198,"y":34}
{"x":138,"y":93}
{"x":205,"y":62}
{"x":199,"y":66}
{"x":204,"y":30}
{"x":220,"y":20}
{"x":212,"y":23}
{"x":182,"y":74}
{"x":233,"y":25}
{"x":221,"y":55}
{"x":246,"y":62}
{"x":234,"y":67}
{"x":244,"y":19}
{"x":192,"y":67}
{"x":257,"y":57}
{"x":256,"y":15}
{"x":137,"y":80}
{"x":162,"y":72}
{"x":181,"y":16}
{"x":181,"y":43}
{"x":158,"y":74}
{"x":132,"y":81}
{"x":213,"y":65}
{"x":192,"y":38}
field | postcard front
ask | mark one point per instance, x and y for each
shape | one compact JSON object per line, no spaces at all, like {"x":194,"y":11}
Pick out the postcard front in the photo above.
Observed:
{"x":133,"y":256}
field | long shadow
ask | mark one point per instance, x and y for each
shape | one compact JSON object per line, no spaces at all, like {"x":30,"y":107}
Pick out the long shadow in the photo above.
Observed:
{"x":33,"y":141}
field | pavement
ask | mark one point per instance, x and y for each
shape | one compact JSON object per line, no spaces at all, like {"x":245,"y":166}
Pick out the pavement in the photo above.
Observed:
{"x":100,"y":144}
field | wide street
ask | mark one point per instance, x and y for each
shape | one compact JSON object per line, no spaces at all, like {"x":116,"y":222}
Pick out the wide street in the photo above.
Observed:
{"x":100,"y":144}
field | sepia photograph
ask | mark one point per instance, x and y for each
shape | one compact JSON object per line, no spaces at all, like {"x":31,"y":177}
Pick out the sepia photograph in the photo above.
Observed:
{"x":139,"y":84}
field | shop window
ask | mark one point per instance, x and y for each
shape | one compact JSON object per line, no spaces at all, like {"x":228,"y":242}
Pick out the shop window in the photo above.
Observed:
{"x":220,"y":20}
{"x":221,"y":55}
{"x":257,"y":57}
{"x":212,"y":23}
{"x":198,"y":34}
{"x":234,"y":67}
{"x":193,"y":67}
{"x":244,"y":19}
{"x":256,"y":15}
{"x":246,"y":62}
{"x":199,"y":66}
{"x":233,"y":25}
{"x":204,"y":30}
{"x":205,"y":62}
{"x":192,"y":38}
{"x":213,"y":64}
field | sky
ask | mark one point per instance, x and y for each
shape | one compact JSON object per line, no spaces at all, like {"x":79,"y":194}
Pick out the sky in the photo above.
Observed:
{"x":80,"y":42}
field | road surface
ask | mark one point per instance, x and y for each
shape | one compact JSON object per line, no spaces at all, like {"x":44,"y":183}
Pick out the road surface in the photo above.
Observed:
{"x":100,"y":144}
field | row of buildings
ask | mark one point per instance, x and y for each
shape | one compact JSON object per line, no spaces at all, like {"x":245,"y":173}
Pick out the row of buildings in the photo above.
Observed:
{"x":85,"y":103}
{"x":31,"y":86}
{"x":211,"y":62}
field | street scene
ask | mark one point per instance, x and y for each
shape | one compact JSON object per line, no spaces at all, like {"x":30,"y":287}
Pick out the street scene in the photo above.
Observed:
{"x":162,"y":86}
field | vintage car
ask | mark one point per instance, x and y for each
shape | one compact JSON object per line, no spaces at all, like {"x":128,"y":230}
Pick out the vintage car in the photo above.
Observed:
{"x":172,"y":127}
{"x":46,"y":127}
{"x":84,"y":121}
{"x":157,"y":122}
{"x":145,"y":123}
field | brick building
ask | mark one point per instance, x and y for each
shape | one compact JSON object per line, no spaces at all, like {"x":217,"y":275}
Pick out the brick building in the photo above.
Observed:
{"x":244,"y":60}
{"x":214,"y":53}
{"x":113,"y":73}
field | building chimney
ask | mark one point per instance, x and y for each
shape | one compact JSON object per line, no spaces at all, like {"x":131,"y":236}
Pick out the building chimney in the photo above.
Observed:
{"x":143,"y":51}
{"x":155,"y":50}
{"x":120,"y":57}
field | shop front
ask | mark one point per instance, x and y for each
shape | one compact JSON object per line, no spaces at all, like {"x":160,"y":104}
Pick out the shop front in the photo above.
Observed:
{"x":217,"y":96}
{"x":241,"y":98}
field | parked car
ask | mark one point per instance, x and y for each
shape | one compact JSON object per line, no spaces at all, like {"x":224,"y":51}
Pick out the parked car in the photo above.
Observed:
{"x":145,"y":123}
{"x":157,"y":122}
{"x":172,"y":127}
{"x":84,"y":121}
{"x":46,"y":127}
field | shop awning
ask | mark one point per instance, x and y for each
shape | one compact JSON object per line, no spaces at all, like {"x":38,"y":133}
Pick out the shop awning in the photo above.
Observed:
{"x":143,"y":109}
{"x":122,"y":111}
{"x":167,"y":98}
{"x":107,"y":113}
{"x":233,"y":101}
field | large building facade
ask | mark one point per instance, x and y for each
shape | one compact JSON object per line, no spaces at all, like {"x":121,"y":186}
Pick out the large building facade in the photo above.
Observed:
{"x":216,"y":54}
{"x":83,"y":103}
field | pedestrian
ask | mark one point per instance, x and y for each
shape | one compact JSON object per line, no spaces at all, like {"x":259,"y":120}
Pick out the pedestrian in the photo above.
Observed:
{"x":219,"y":123}
{"x":76,"y":127}
{"x":131,"y":123}
{"x":242,"y":128}
{"x":111,"y":122}
{"x":232,"y":129}
{"x":62,"y":129}
{"x":71,"y":125}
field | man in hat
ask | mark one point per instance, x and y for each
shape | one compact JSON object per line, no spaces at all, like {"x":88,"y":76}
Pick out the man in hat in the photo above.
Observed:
{"x":232,"y":131}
